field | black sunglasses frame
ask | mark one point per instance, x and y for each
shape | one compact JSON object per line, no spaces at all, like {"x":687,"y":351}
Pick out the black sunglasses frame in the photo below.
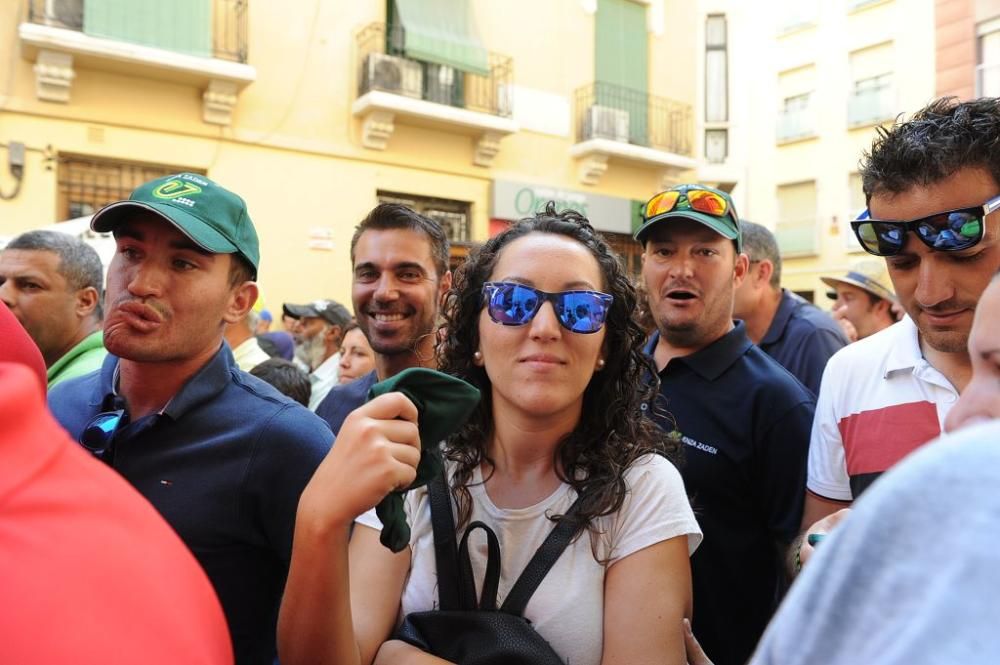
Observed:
{"x":99,"y":441}
{"x":490,"y":288}
{"x":982,"y":211}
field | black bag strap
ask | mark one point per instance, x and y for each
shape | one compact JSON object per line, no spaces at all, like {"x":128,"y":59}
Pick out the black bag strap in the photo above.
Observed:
{"x":445,"y":545}
{"x":491,"y":582}
{"x":456,"y":589}
{"x":543,"y":560}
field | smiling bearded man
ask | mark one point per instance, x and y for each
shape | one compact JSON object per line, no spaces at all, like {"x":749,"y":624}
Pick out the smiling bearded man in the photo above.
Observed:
{"x":400,"y":275}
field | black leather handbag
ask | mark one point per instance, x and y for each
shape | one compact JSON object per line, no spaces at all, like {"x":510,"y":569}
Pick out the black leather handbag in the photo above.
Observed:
{"x":470,"y":633}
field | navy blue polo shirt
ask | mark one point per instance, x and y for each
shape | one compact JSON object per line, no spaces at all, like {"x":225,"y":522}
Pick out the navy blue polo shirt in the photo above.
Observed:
{"x":341,"y":400}
{"x":224,"y":463}
{"x":802,"y":337}
{"x":744,"y":422}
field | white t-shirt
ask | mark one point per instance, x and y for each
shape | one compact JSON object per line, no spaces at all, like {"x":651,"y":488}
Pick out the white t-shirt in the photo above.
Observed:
{"x":879,"y":400}
{"x":567,"y":609}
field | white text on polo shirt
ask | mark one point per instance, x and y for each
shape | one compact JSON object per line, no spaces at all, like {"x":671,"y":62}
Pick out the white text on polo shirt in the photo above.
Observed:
{"x":711,"y":450}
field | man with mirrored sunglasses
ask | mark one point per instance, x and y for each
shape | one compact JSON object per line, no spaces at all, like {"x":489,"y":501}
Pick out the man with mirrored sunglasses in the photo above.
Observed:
{"x":219,"y":453}
{"x":743,"y":419}
{"x":933,"y":187}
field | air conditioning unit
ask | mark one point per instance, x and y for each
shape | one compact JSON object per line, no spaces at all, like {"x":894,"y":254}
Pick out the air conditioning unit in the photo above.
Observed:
{"x":441,"y":81}
{"x":604,"y":122}
{"x":64,"y":13}
{"x":392,"y":74}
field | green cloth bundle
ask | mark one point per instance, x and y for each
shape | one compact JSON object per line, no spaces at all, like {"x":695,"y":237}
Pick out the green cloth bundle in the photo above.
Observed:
{"x":443,"y":404}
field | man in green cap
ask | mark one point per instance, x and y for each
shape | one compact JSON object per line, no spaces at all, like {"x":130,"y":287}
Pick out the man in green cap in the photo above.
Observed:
{"x":221,"y":454}
{"x":743,"y":419}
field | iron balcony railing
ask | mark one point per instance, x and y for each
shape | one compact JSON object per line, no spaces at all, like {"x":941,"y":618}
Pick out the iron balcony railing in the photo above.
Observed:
{"x":797,"y":237}
{"x":795,"y":123}
{"x":871,"y":105}
{"x":988,"y":80}
{"x":222,"y":33}
{"x":385,"y":67}
{"x":621,"y":114}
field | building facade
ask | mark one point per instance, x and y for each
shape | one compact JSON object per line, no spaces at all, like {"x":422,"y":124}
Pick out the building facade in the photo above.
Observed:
{"x":473,"y":112}
{"x":828,"y":74}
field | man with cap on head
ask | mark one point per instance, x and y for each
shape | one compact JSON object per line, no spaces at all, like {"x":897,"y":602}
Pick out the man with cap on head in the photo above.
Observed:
{"x":863,"y":299}
{"x":319,"y":330}
{"x":219,"y":453}
{"x":786,"y":326}
{"x":264,"y":320}
{"x":743,"y":418}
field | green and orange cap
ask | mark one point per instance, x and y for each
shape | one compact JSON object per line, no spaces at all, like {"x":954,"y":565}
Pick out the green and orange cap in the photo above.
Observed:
{"x":213,"y":217}
{"x":701,"y":203}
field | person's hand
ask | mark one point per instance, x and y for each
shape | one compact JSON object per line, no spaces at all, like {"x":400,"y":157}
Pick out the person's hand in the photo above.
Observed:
{"x":376,"y":452}
{"x":695,"y":654}
{"x":824,"y":527}
{"x":850,"y":332}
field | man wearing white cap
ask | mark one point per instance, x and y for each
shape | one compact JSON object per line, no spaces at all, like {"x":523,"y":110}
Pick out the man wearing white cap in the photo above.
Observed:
{"x":863,"y":299}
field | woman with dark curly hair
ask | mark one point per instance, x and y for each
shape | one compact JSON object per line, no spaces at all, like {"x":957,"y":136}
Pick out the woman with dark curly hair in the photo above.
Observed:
{"x":540,"y":319}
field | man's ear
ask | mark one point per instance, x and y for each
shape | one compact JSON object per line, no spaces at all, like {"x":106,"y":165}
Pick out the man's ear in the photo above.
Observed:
{"x":87,"y":300}
{"x":766,"y":270}
{"x":241,"y":300}
{"x":740,"y":269}
{"x":334,"y":336}
{"x":443,"y":287}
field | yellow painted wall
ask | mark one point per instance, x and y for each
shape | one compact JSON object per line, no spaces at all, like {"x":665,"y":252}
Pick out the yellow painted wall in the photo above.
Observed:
{"x":294,"y":148}
{"x":833,"y":154}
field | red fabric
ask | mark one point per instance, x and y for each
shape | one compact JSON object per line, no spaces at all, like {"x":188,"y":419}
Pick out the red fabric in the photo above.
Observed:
{"x":17,"y":347}
{"x":89,"y":571}
{"x":876,"y":440}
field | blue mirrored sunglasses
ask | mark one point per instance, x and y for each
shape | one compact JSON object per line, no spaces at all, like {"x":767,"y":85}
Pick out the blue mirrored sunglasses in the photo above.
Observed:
{"x":949,"y":231}
{"x":513,"y":304}
{"x":98,"y":434}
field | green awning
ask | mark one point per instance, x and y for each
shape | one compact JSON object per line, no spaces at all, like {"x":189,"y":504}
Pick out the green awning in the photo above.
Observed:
{"x":441,"y":31}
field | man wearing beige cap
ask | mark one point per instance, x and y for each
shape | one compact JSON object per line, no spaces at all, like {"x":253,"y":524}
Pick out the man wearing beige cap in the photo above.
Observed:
{"x":863,"y":299}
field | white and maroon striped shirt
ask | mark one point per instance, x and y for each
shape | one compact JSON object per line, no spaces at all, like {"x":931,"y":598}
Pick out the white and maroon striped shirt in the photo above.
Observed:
{"x":879,"y":400}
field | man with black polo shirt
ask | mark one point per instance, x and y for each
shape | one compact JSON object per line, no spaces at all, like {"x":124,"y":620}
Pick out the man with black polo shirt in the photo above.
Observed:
{"x":219,"y":453}
{"x":744,"y":419}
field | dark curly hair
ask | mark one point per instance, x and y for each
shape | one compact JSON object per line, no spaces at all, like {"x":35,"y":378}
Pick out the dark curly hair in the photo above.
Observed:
{"x":612,"y":432}
{"x":938,"y":140}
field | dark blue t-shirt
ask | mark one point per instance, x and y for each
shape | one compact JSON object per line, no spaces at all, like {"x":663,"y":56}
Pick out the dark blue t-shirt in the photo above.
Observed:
{"x":224,"y":463}
{"x":802,"y":337}
{"x":341,"y":400}
{"x":745,"y":423}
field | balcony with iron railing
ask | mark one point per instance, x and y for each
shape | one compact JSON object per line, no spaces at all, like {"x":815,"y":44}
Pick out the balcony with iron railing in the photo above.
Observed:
{"x":872,"y":105}
{"x":797,"y":238}
{"x":629,"y":125}
{"x":796,"y":124}
{"x":988,"y":80}
{"x":188,"y":41}
{"x":216,"y":29}
{"x":393,"y":86}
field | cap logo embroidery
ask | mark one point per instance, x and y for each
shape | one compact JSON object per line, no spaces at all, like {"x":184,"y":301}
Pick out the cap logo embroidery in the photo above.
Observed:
{"x":173,"y":189}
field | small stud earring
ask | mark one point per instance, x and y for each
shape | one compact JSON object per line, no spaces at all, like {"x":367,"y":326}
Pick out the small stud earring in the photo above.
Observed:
{"x":600,"y":364}
{"x":477,"y":358}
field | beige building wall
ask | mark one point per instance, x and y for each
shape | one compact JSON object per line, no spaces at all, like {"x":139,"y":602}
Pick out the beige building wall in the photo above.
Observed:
{"x":956,"y":47}
{"x":294,"y":149}
{"x":825,"y":51}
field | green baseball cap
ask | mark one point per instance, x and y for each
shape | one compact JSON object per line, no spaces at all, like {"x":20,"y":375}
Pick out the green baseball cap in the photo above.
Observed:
{"x":701,"y":203}
{"x":210,"y":215}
